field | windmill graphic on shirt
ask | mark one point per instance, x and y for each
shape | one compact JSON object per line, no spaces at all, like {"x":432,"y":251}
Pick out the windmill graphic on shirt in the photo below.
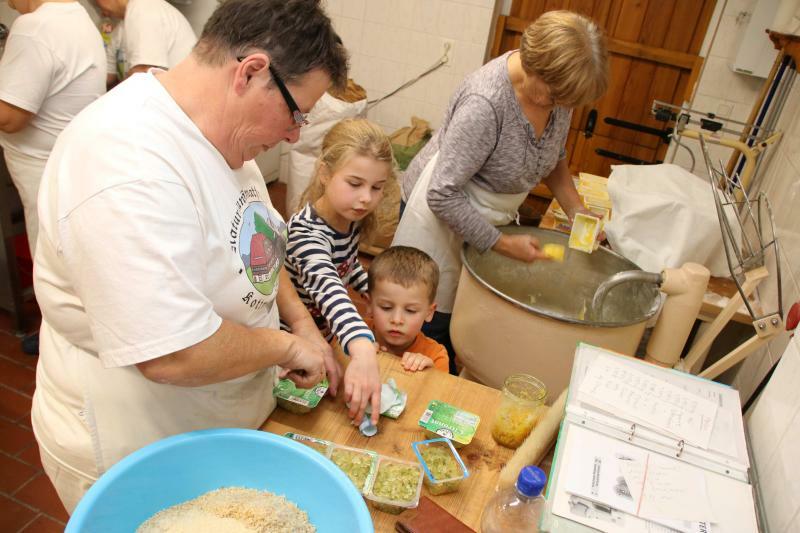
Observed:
{"x":262,"y":246}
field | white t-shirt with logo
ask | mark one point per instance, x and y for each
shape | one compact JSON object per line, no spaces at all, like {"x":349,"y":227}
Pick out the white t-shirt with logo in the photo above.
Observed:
{"x":153,"y":33}
{"x":53,"y":66}
{"x":147,"y":241}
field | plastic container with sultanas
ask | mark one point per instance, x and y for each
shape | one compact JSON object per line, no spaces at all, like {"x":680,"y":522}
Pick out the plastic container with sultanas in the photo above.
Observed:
{"x":444,"y":469}
{"x":396,"y":486}
{"x":359,"y":465}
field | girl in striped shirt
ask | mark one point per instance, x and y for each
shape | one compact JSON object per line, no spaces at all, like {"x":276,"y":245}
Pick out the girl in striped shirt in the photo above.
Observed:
{"x":351,"y":194}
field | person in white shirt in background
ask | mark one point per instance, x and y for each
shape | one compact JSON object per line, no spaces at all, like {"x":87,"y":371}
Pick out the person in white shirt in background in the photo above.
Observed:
{"x":150,"y":33}
{"x":159,"y":270}
{"x":53,"y":66}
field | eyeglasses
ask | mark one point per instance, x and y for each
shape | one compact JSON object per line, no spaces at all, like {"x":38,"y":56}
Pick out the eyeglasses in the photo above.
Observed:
{"x":300,"y":118}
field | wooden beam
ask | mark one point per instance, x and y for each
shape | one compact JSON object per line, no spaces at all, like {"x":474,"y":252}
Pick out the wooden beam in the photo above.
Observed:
{"x":651,"y":53}
{"x":516,"y":24}
{"x":617,"y":46}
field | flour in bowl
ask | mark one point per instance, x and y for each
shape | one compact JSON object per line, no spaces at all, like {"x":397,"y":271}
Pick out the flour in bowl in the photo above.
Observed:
{"x":231,"y":510}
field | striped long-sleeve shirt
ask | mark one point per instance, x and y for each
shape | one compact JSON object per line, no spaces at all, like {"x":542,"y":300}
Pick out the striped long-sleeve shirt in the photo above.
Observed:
{"x":321,"y":263}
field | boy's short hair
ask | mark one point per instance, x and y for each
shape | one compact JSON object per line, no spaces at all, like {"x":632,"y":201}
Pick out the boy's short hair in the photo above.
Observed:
{"x":405,"y":266}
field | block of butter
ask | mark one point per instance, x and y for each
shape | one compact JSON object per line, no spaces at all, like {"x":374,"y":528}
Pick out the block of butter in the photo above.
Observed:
{"x":585,"y":229}
{"x":554,"y":251}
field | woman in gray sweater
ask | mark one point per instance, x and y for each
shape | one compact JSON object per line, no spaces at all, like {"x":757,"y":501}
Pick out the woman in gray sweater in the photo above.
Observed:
{"x":504,"y":132}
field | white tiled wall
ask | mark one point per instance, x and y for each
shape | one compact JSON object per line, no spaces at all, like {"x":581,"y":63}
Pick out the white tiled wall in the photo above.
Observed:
{"x":780,"y":180}
{"x":774,"y":428}
{"x":392,"y":41}
{"x":720,"y":90}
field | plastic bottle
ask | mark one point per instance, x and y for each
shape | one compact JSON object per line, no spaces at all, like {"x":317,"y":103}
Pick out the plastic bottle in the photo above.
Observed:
{"x":517,"y":509}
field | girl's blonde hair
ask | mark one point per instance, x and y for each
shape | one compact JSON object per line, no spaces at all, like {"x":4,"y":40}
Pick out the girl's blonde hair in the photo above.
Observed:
{"x":568,"y":52}
{"x":357,"y":137}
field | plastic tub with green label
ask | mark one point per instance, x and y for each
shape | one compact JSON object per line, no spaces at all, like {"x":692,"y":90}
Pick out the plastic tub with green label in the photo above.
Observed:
{"x":297,"y":400}
{"x":441,"y":419}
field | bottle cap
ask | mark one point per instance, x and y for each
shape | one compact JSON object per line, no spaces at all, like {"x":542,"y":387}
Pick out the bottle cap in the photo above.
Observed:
{"x":531,"y":481}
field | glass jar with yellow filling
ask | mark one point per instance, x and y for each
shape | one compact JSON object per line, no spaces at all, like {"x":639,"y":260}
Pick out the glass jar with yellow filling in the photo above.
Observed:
{"x":520,"y":410}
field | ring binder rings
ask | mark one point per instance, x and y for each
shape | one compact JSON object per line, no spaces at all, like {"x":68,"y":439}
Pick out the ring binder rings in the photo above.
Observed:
{"x":681,"y":444}
{"x":633,"y":432}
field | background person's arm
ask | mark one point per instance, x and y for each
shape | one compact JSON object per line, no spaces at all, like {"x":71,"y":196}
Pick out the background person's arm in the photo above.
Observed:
{"x":26,"y":70}
{"x":13,"y":118}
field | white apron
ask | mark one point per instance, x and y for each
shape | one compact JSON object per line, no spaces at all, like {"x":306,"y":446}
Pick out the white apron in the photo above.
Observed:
{"x":422,"y":229}
{"x":26,"y":173}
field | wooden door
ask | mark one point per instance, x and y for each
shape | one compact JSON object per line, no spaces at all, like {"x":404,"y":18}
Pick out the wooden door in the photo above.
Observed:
{"x":653,"y":47}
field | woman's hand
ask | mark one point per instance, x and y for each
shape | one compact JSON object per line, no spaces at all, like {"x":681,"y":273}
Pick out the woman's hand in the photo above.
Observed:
{"x":309,"y":331}
{"x":362,"y":380}
{"x":414,"y":362}
{"x":304,"y":363}
{"x":520,"y":247}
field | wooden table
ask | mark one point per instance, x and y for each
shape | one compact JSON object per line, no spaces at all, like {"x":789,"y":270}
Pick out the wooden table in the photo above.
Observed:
{"x":483,"y":457}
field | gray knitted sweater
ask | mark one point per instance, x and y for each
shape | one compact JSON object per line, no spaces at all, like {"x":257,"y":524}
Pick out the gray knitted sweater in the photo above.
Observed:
{"x":485,"y":137}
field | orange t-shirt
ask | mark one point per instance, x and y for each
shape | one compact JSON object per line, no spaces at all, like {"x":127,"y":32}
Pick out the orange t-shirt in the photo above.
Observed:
{"x":427,"y":347}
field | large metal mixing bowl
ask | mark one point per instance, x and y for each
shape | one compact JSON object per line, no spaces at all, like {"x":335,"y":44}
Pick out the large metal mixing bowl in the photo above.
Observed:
{"x":513,"y":317}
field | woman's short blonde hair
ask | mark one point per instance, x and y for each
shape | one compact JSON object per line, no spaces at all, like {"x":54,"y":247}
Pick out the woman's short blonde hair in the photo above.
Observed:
{"x":357,"y":137}
{"x":568,"y":52}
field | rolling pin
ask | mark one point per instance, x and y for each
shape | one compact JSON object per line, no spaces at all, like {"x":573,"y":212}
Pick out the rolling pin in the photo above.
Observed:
{"x":536,"y":445}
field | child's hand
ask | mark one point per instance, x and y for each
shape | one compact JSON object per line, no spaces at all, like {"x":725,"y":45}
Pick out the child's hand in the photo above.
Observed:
{"x":362,"y":380}
{"x":414,"y":362}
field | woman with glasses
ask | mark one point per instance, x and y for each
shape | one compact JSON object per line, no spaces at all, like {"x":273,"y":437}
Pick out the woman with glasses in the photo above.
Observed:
{"x":159,"y":272}
{"x":504,"y":132}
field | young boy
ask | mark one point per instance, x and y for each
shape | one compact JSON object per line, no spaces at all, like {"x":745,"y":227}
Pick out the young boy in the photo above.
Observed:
{"x":401,"y":290}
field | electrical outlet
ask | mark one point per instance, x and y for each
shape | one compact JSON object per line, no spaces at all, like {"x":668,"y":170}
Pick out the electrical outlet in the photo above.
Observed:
{"x":448,"y":48}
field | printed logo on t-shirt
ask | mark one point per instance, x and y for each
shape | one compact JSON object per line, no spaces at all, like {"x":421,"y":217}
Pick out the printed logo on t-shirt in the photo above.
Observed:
{"x":261,"y":242}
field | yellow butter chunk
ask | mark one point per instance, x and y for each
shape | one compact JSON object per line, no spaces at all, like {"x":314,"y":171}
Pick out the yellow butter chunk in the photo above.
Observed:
{"x":554,"y":252}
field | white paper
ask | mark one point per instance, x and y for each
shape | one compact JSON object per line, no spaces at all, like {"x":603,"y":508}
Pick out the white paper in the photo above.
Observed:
{"x":620,"y":389}
{"x":593,"y":490}
{"x":663,"y":489}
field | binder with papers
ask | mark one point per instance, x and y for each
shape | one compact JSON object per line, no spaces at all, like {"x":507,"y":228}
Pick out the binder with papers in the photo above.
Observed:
{"x":648,"y":449}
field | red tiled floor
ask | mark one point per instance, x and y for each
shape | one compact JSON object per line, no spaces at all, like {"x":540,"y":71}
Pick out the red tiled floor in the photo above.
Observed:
{"x":16,"y":376}
{"x":13,"y":405}
{"x":31,"y":456}
{"x":13,"y":516}
{"x":15,"y":473}
{"x":40,"y":494}
{"x":14,"y":438}
{"x":27,"y":498}
{"x":42,"y":524}
{"x":10,"y":348}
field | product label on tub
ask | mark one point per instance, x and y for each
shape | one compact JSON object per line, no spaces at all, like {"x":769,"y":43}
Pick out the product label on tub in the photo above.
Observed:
{"x":449,"y":421}
{"x":286,"y":390}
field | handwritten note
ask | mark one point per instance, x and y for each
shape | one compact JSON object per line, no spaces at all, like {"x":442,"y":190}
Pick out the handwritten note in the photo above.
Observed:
{"x":635,"y":395}
{"x":664,"y":489}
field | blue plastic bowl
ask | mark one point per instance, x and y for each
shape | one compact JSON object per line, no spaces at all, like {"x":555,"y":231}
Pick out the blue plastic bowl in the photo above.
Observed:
{"x":185,"y":466}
